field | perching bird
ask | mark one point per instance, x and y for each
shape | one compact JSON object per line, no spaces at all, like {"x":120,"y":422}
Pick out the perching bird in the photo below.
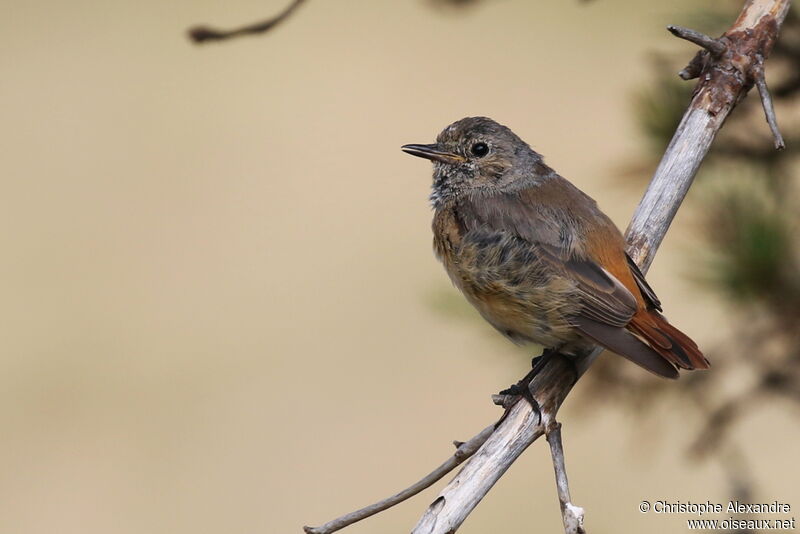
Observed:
{"x":537,"y":257}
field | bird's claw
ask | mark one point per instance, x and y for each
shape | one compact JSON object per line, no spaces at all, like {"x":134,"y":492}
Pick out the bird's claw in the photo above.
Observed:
{"x":522,"y":388}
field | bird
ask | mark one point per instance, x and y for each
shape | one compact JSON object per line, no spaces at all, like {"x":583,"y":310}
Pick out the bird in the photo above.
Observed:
{"x":535,"y":255}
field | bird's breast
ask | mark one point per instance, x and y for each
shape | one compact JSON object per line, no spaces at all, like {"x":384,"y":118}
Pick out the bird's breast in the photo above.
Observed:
{"x":505,"y":281}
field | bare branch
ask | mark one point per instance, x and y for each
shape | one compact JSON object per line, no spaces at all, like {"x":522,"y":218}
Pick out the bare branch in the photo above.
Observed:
{"x":725,"y":77}
{"x":722,"y":85}
{"x":201,"y":34}
{"x":519,"y":428}
{"x":463,"y":451}
{"x":766,"y":102}
{"x":714,"y":46}
{"x":571,"y":515}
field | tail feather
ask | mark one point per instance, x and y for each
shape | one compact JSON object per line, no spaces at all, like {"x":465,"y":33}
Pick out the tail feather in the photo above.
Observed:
{"x":679,"y":349}
{"x":631,"y":347}
{"x":649,"y":330}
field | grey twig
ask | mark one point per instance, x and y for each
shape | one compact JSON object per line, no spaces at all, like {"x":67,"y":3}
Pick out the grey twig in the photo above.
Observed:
{"x":571,"y":515}
{"x":715,"y":46}
{"x":766,"y":101}
{"x":201,"y":34}
{"x":464,"y":450}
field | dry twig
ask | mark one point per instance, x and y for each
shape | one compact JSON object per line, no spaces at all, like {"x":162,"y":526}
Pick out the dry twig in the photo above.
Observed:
{"x":766,"y":101}
{"x":715,"y":46}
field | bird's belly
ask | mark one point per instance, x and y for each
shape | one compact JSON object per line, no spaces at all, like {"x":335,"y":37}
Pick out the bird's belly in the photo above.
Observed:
{"x":509,"y":285}
{"x":526,"y":314}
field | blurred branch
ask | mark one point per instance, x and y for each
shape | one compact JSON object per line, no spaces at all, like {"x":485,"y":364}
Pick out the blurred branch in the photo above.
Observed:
{"x":725,"y":77}
{"x":719,"y":420}
{"x":201,"y":34}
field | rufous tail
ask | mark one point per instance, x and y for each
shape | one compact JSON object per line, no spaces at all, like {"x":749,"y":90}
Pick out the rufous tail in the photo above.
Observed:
{"x":669,"y":342}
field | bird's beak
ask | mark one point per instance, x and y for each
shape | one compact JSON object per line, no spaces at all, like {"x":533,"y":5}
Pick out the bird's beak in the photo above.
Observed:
{"x":433,"y":153}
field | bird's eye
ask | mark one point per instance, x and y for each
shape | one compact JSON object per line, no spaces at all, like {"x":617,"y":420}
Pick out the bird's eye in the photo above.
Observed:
{"x":479,"y":149}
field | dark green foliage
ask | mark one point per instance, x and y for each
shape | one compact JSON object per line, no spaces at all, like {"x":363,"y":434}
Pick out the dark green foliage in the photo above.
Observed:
{"x":754,"y":260}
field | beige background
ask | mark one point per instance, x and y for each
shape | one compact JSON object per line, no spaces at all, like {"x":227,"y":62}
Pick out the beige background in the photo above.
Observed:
{"x":219,"y":303}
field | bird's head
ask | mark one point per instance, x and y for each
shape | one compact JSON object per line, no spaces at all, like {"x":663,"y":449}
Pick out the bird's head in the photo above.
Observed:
{"x":476,"y":156}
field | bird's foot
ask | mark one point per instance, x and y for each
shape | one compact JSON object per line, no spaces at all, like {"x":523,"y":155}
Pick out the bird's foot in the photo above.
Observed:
{"x":522,"y":388}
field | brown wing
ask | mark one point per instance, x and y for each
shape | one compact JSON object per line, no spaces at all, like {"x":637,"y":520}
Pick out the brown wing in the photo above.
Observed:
{"x":580,"y":243}
{"x":606,"y":245}
{"x":603,"y":297}
{"x":526,"y":217}
{"x":608,"y":308}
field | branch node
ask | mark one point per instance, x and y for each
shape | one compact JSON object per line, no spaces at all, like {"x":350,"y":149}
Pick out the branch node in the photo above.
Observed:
{"x":695,"y":67}
{"x":715,"y":46}
{"x":506,"y":401}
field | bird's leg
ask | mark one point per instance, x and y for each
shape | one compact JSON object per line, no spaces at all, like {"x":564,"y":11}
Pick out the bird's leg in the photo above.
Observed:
{"x":522,"y":388}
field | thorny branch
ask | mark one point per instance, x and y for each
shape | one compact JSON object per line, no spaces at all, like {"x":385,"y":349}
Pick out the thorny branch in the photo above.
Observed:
{"x":714,"y":46}
{"x":717,"y":48}
{"x":726,"y":73}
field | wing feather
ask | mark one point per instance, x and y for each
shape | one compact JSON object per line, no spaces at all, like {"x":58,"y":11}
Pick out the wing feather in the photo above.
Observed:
{"x":603,"y":297}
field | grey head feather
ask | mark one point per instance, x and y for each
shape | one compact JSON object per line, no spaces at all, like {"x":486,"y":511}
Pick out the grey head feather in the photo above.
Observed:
{"x":508,"y":165}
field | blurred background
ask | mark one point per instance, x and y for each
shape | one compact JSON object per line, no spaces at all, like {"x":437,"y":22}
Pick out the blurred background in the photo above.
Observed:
{"x":221,"y":312}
